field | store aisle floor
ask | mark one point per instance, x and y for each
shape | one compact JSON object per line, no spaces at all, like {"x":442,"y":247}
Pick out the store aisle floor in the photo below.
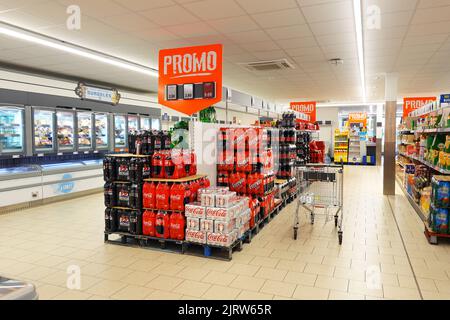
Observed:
{"x":39,"y":244}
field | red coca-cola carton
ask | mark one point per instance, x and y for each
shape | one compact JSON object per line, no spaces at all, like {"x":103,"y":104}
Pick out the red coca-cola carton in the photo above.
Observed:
{"x":207,"y":225}
{"x":193,"y":224}
{"x":195,"y":210}
{"x":224,"y":227}
{"x":196,"y":236}
{"x":220,"y":240}
{"x":221,"y":214}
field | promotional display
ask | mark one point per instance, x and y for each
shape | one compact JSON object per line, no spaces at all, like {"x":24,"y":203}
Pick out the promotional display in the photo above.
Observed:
{"x":308,"y":108}
{"x":411,"y":104}
{"x":190,"y":79}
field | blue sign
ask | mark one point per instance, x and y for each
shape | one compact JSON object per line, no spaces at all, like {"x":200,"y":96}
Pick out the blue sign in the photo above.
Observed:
{"x":445,"y":98}
{"x":68,"y":186}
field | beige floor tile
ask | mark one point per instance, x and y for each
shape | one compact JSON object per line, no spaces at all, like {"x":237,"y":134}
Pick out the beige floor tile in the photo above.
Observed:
{"x":98,"y":298}
{"x":310,"y":258}
{"x":37,"y":273}
{"x":167,"y":269}
{"x":296,"y":266}
{"x":106,"y":288}
{"x":163,"y":295}
{"x":165,"y":283}
{"x":114,"y":273}
{"x":192,"y":288}
{"x":271,"y":274}
{"x":337,"y":262}
{"x":407,"y":282}
{"x":264,"y":262}
{"x":260,"y":252}
{"x":319,"y":269}
{"x":311,"y":293}
{"x":216,"y":292}
{"x":427,"y":285}
{"x":281,"y":254}
{"x":400,"y":293}
{"x":305,"y":279}
{"x":252,"y":295}
{"x":94,"y":269}
{"x":339,"y":295}
{"x":50,"y":261}
{"x":215,"y":265}
{"x":72,"y":295}
{"x":278,"y":288}
{"x":367,"y":289}
{"x":132,"y":292}
{"x":443,"y":286}
{"x":219,"y":278}
{"x":248,"y":270}
{"x":58,"y":278}
{"x":193,"y":273}
{"x":396,"y":269}
{"x":144,"y":265}
{"x":350,"y":274}
{"x":139,"y":278}
{"x":434,"y":295}
{"x":247,"y":283}
{"x":336,"y":284}
{"x":48,"y":291}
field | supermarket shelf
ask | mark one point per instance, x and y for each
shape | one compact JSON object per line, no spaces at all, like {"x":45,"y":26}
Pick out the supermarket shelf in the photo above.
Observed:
{"x":436,"y":168}
{"x":124,"y":208}
{"x":410,"y":199}
{"x":433,"y":130}
{"x":280,"y":181}
{"x":185,"y":179}
{"x":127,"y":155}
{"x":432,"y":236}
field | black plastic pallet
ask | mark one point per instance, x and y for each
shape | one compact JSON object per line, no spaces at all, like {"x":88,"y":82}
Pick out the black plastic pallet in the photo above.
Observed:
{"x":128,"y":239}
{"x":212,"y":252}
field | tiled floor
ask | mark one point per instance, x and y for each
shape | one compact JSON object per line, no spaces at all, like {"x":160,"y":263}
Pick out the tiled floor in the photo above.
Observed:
{"x":39,"y":244}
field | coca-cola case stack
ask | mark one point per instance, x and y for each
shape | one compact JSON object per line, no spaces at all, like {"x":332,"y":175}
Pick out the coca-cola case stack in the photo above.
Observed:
{"x":219,"y":219}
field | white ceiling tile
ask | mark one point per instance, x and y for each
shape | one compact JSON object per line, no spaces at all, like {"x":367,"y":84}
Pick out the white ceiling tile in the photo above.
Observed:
{"x":298,"y":52}
{"x":340,"y":38}
{"x":169,"y":16}
{"x":195,"y":29}
{"x":333,"y":27}
{"x":296,"y":31}
{"x":234,"y":24}
{"x":258,"y":6}
{"x":442,"y":27}
{"x":436,"y":14}
{"x":386,"y":33}
{"x":270,"y":55}
{"x":388,"y":6}
{"x":138,"y":5}
{"x":214,"y":9}
{"x":423,"y":4}
{"x":280,"y":18}
{"x":97,"y":8}
{"x":260,"y":46}
{"x":303,"y":42}
{"x":395,"y":19}
{"x":249,"y":36}
{"x":329,"y":11}
{"x":156,"y":35}
{"x":128,"y":22}
{"x":425,"y":40}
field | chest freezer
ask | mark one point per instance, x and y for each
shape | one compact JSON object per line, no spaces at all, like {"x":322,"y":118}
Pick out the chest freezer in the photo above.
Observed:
{"x":11,"y":130}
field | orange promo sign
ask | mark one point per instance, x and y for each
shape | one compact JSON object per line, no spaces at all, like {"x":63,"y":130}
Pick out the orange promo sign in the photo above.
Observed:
{"x":308,"y":108}
{"x":411,"y":104}
{"x":190,"y":78}
{"x":358,"y":117}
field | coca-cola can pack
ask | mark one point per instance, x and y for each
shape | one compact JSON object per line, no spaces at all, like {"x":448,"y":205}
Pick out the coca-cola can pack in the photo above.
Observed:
{"x":196,"y":236}
{"x":241,"y":231}
{"x":221,"y":240}
{"x":193,"y":223}
{"x":195,"y":210}
{"x":208,"y":199}
{"x":225,"y":199}
{"x":206,"y":225}
{"x":224,"y":227}
{"x":221,"y":214}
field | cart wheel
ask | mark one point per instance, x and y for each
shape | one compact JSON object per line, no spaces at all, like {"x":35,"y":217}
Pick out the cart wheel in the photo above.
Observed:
{"x":312,"y":218}
{"x":340,"y":237}
{"x":142,"y":243}
{"x":336,"y":218}
{"x":230,"y":254}
{"x":106,"y":237}
{"x":295,"y":234}
{"x":123,"y":239}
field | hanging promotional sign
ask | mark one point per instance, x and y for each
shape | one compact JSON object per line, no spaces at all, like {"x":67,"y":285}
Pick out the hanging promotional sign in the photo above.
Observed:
{"x":411,"y":104}
{"x":358,"y":117}
{"x":308,"y":108}
{"x":445,"y":98}
{"x":190,"y":79}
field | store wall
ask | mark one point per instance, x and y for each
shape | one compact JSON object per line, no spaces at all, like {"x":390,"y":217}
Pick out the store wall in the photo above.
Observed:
{"x":326,"y":132}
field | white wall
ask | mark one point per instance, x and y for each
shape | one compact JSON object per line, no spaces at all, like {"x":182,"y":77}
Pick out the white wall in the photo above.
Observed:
{"x":326,"y":133}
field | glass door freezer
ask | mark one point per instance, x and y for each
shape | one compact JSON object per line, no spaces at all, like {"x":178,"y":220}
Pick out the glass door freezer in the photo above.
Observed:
{"x":65,"y":130}
{"x":120,"y":131}
{"x":133,"y":123}
{"x":101,"y":131}
{"x":12,"y":127}
{"x":84,"y":129}
{"x":44,"y":130}
{"x":145,"y":123}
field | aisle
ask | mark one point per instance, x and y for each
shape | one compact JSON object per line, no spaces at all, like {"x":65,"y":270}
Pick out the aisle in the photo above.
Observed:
{"x":39,"y":244}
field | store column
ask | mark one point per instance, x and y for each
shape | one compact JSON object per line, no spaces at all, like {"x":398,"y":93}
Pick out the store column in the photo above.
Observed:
{"x":389,"y":134}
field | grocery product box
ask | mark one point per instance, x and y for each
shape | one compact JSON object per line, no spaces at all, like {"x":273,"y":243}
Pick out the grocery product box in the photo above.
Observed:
{"x":224,"y":227}
{"x":440,"y":195}
{"x":207,"y":225}
{"x":196,"y":236}
{"x":208,"y":199}
{"x":222,"y":214}
{"x":195,"y":210}
{"x":221,"y":240}
{"x":193,"y":223}
{"x":225,"y":199}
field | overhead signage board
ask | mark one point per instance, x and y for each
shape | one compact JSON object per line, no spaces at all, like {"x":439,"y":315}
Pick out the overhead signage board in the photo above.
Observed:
{"x":445,"y":98}
{"x":358,"y":117}
{"x":97,"y":94}
{"x":190,"y":78}
{"x":411,"y":104}
{"x":309,"y":108}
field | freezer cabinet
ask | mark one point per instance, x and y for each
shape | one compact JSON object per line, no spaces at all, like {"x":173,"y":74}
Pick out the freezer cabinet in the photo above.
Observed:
{"x":146,"y":123}
{"x":44,"y":130}
{"x":133,"y":123}
{"x":101,"y":121}
{"x":85,"y":131}
{"x":120,"y":131}
{"x":12,"y":130}
{"x":65,"y":130}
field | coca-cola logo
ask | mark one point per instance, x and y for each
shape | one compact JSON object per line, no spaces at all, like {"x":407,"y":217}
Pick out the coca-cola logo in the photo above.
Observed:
{"x":217,"y":237}
{"x":198,"y":235}
{"x":255,"y":185}
{"x":214,"y":212}
{"x":175,"y":197}
{"x":238,"y":183}
{"x":161,"y":196}
{"x":194,"y":210}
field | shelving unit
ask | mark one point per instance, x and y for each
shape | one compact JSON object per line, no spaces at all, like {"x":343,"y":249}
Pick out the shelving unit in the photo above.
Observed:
{"x":340,"y":146}
{"x":354,"y":148}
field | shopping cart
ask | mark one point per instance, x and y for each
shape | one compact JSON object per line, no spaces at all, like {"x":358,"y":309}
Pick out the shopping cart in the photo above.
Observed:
{"x":320,"y":192}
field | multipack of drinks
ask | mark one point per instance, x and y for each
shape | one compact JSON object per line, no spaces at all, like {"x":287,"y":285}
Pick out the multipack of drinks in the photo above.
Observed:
{"x":219,"y":218}
{"x":146,"y":142}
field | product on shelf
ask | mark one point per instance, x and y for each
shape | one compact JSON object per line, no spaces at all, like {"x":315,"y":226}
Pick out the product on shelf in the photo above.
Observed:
{"x":177,"y":226}
{"x":149,"y":223}
{"x":123,"y":169}
{"x":123,"y":195}
{"x":110,"y":220}
{"x":162,"y":197}
{"x":135,"y":222}
{"x":109,"y":168}
{"x":136,"y":196}
{"x":162,"y":225}
{"x":109,"y":194}
{"x":149,"y":195}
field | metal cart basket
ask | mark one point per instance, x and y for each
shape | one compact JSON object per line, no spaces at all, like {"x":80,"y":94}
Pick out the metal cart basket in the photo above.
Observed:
{"x":320,"y":192}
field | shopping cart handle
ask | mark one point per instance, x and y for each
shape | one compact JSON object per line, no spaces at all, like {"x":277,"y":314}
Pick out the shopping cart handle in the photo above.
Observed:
{"x":323,"y":165}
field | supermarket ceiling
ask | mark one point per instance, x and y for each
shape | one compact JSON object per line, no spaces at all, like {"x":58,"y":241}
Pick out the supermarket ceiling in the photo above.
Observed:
{"x":412,"y":38}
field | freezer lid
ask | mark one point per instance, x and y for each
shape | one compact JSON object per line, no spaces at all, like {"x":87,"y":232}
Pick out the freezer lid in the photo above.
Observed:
{"x":94,"y":163}
{"x":19,"y":172}
{"x":63,"y":166}
{"x":16,"y":290}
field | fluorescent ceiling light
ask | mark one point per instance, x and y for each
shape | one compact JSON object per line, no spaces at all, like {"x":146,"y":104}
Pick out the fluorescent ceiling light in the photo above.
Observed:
{"x":360,"y":43}
{"x":22,"y":34}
